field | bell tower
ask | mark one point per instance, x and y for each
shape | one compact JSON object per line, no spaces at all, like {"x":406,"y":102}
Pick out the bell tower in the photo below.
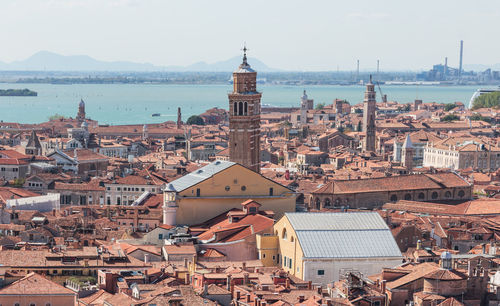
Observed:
{"x":244,"y":117}
{"x":369,"y":106}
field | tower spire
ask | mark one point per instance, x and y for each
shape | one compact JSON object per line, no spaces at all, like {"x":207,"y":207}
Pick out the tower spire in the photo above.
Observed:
{"x":245,"y":63}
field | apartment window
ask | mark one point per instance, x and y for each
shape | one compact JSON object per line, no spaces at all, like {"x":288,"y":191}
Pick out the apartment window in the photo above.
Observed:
{"x":118,"y":188}
{"x":461,"y":193}
{"x":198,"y":192}
{"x":160,"y":236}
{"x":321,"y":272}
{"x":271,"y":191}
{"x":142,"y":189}
{"x":290,"y":263}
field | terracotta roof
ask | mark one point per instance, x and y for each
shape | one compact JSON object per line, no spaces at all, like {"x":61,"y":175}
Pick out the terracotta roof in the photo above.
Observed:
{"x":85,"y":155}
{"x":12,"y":161}
{"x":212,"y":253}
{"x":443,"y":274}
{"x":451,"y":302}
{"x":394,"y":183}
{"x":35,"y":284}
{"x":180,"y":249}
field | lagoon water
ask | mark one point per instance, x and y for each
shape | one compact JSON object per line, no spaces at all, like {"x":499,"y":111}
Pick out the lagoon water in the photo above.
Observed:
{"x":134,"y":103}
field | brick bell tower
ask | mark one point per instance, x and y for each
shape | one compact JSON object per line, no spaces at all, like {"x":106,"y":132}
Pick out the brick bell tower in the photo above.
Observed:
{"x":369,"y":107}
{"x":244,"y":117}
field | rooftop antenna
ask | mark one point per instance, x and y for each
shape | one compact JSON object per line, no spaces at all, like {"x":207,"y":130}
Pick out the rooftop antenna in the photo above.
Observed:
{"x":378,"y":66}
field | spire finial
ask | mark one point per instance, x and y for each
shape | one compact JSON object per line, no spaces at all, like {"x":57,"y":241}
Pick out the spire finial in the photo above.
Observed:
{"x":370,"y":78}
{"x":245,"y":54}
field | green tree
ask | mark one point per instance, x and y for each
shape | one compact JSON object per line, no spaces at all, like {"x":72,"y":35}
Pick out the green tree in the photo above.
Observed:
{"x":19,"y":182}
{"x":491,"y":99}
{"x":320,"y":106}
{"x":196,"y":120}
{"x":360,"y":127}
{"x":450,"y":117}
{"x":478,"y":117}
{"x":449,"y":106}
{"x":56,"y":117}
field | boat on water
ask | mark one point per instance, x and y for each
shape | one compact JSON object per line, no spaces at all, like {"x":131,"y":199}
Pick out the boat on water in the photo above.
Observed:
{"x":156,"y":115}
{"x":482,"y":91}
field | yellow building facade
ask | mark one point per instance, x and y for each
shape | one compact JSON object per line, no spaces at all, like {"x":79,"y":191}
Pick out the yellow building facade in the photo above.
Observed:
{"x":219,"y":187}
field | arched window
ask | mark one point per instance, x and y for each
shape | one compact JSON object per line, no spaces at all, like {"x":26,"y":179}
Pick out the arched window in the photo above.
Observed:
{"x":421,"y":196}
{"x":292,"y":239}
{"x":327,"y":202}
{"x":283,"y":234}
{"x":276,"y":233}
{"x":394,"y":198}
{"x":461,"y":193}
{"x":235,"y":108}
{"x":245,"y":112}
{"x":240,"y":109}
{"x":447,"y":194}
{"x":317,"y":203}
{"x":407,"y":196}
{"x":434,"y":195}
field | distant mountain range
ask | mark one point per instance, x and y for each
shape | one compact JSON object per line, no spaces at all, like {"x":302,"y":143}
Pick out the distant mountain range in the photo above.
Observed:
{"x":49,"y":61}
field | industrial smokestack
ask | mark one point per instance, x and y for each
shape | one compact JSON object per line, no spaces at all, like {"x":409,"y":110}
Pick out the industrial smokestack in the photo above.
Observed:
{"x":378,"y":66}
{"x":445,"y":66}
{"x":461,"y":57}
{"x":357,"y":72}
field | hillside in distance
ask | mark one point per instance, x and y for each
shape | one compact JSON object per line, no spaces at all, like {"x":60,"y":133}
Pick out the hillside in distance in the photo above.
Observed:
{"x":49,"y":61}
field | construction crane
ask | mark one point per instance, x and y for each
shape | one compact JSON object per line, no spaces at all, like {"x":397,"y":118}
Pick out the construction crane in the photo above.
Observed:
{"x":384,"y":97}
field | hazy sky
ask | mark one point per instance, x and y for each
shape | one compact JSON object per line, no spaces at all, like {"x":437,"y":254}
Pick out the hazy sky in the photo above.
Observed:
{"x":292,"y":35}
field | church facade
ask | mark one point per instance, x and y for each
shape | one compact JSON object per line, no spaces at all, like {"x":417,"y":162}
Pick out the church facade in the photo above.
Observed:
{"x":218,"y":187}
